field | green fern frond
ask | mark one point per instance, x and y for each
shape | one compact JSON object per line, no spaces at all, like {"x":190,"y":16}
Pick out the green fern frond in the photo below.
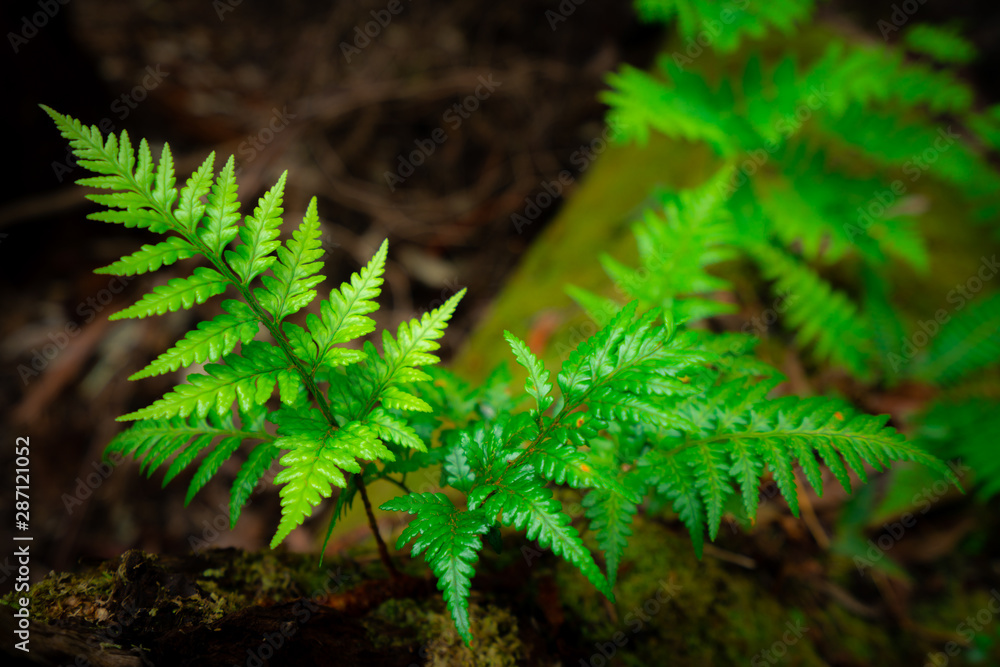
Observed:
{"x":697,"y":472}
{"x":610,"y":516}
{"x":222,"y":212}
{"x":115,"y":160}
{"x":888,"y":140}
{"x":450,"y":540}
{"x":856,"y":75}
{"x":391,"y":428}
{"x":728,"y":24}
{"x":823,"y":317}
{"x":674,"y":481}
{"x":537,"y":385}
{"x":210,"y":465}
{"x":190,"y":208}
{"x":249,"y":378}
{"x":296,"y":272}
{"x":250,"y":474}
{"x":968,"y":342}
{"x":151,"y":258}
{"x":177,"y":294}
{"x":625,"y":369}
{"x":401,"y":356}
{"x":343,"y":317}
{"x":259,"y":235}
{"x":523,"y":502}
{"x":561,"y":463}
{"x":797,"y":216}
{"x":318,"y":456}
{"x":185,"y":439}
{"x":210,"y":341}
{"x":685,"y":108}
{"x":943,"y":44}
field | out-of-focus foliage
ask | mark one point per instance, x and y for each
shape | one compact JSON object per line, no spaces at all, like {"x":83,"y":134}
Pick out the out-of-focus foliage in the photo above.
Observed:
{"x":724,"y":25}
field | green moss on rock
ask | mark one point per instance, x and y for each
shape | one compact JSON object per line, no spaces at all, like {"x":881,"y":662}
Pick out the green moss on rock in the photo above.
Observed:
{"x":697,"y":613}
{"x":428,"y":623}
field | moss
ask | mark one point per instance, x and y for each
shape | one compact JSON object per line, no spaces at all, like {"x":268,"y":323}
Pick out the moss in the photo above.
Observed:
{"x":669,"y":603}
{"x":403,"y":623}
{"x":146,"y":594}
{"x":63,"y":596}
{"x":176,"y":591}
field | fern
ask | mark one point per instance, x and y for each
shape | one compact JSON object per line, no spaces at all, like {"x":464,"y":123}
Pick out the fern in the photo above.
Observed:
{"x":963,"y":422}
{"x":643,"y":408}
{"x":942,"y":44}
{"x":824,"y":317}
{"x":686,"y":412}
{"x":795,"y":198}
{"x":966,"y":343}
{"x":741,"y":431}
{"x":314,"y":444}
{"x":676,"y":247}
{"x":450,"y":541}
{"x":725,"y":24}
{"x":966,"y":430}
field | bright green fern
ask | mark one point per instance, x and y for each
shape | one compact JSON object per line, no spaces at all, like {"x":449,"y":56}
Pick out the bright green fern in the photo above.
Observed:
{"x":335,"y":400}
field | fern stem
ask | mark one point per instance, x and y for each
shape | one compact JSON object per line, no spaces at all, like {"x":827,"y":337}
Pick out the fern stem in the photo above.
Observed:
{"x":383,"y":552}
{"x":400,"y":483}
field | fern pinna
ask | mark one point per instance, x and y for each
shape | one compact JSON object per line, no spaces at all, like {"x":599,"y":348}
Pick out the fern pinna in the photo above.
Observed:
{"x":641,"y":409}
